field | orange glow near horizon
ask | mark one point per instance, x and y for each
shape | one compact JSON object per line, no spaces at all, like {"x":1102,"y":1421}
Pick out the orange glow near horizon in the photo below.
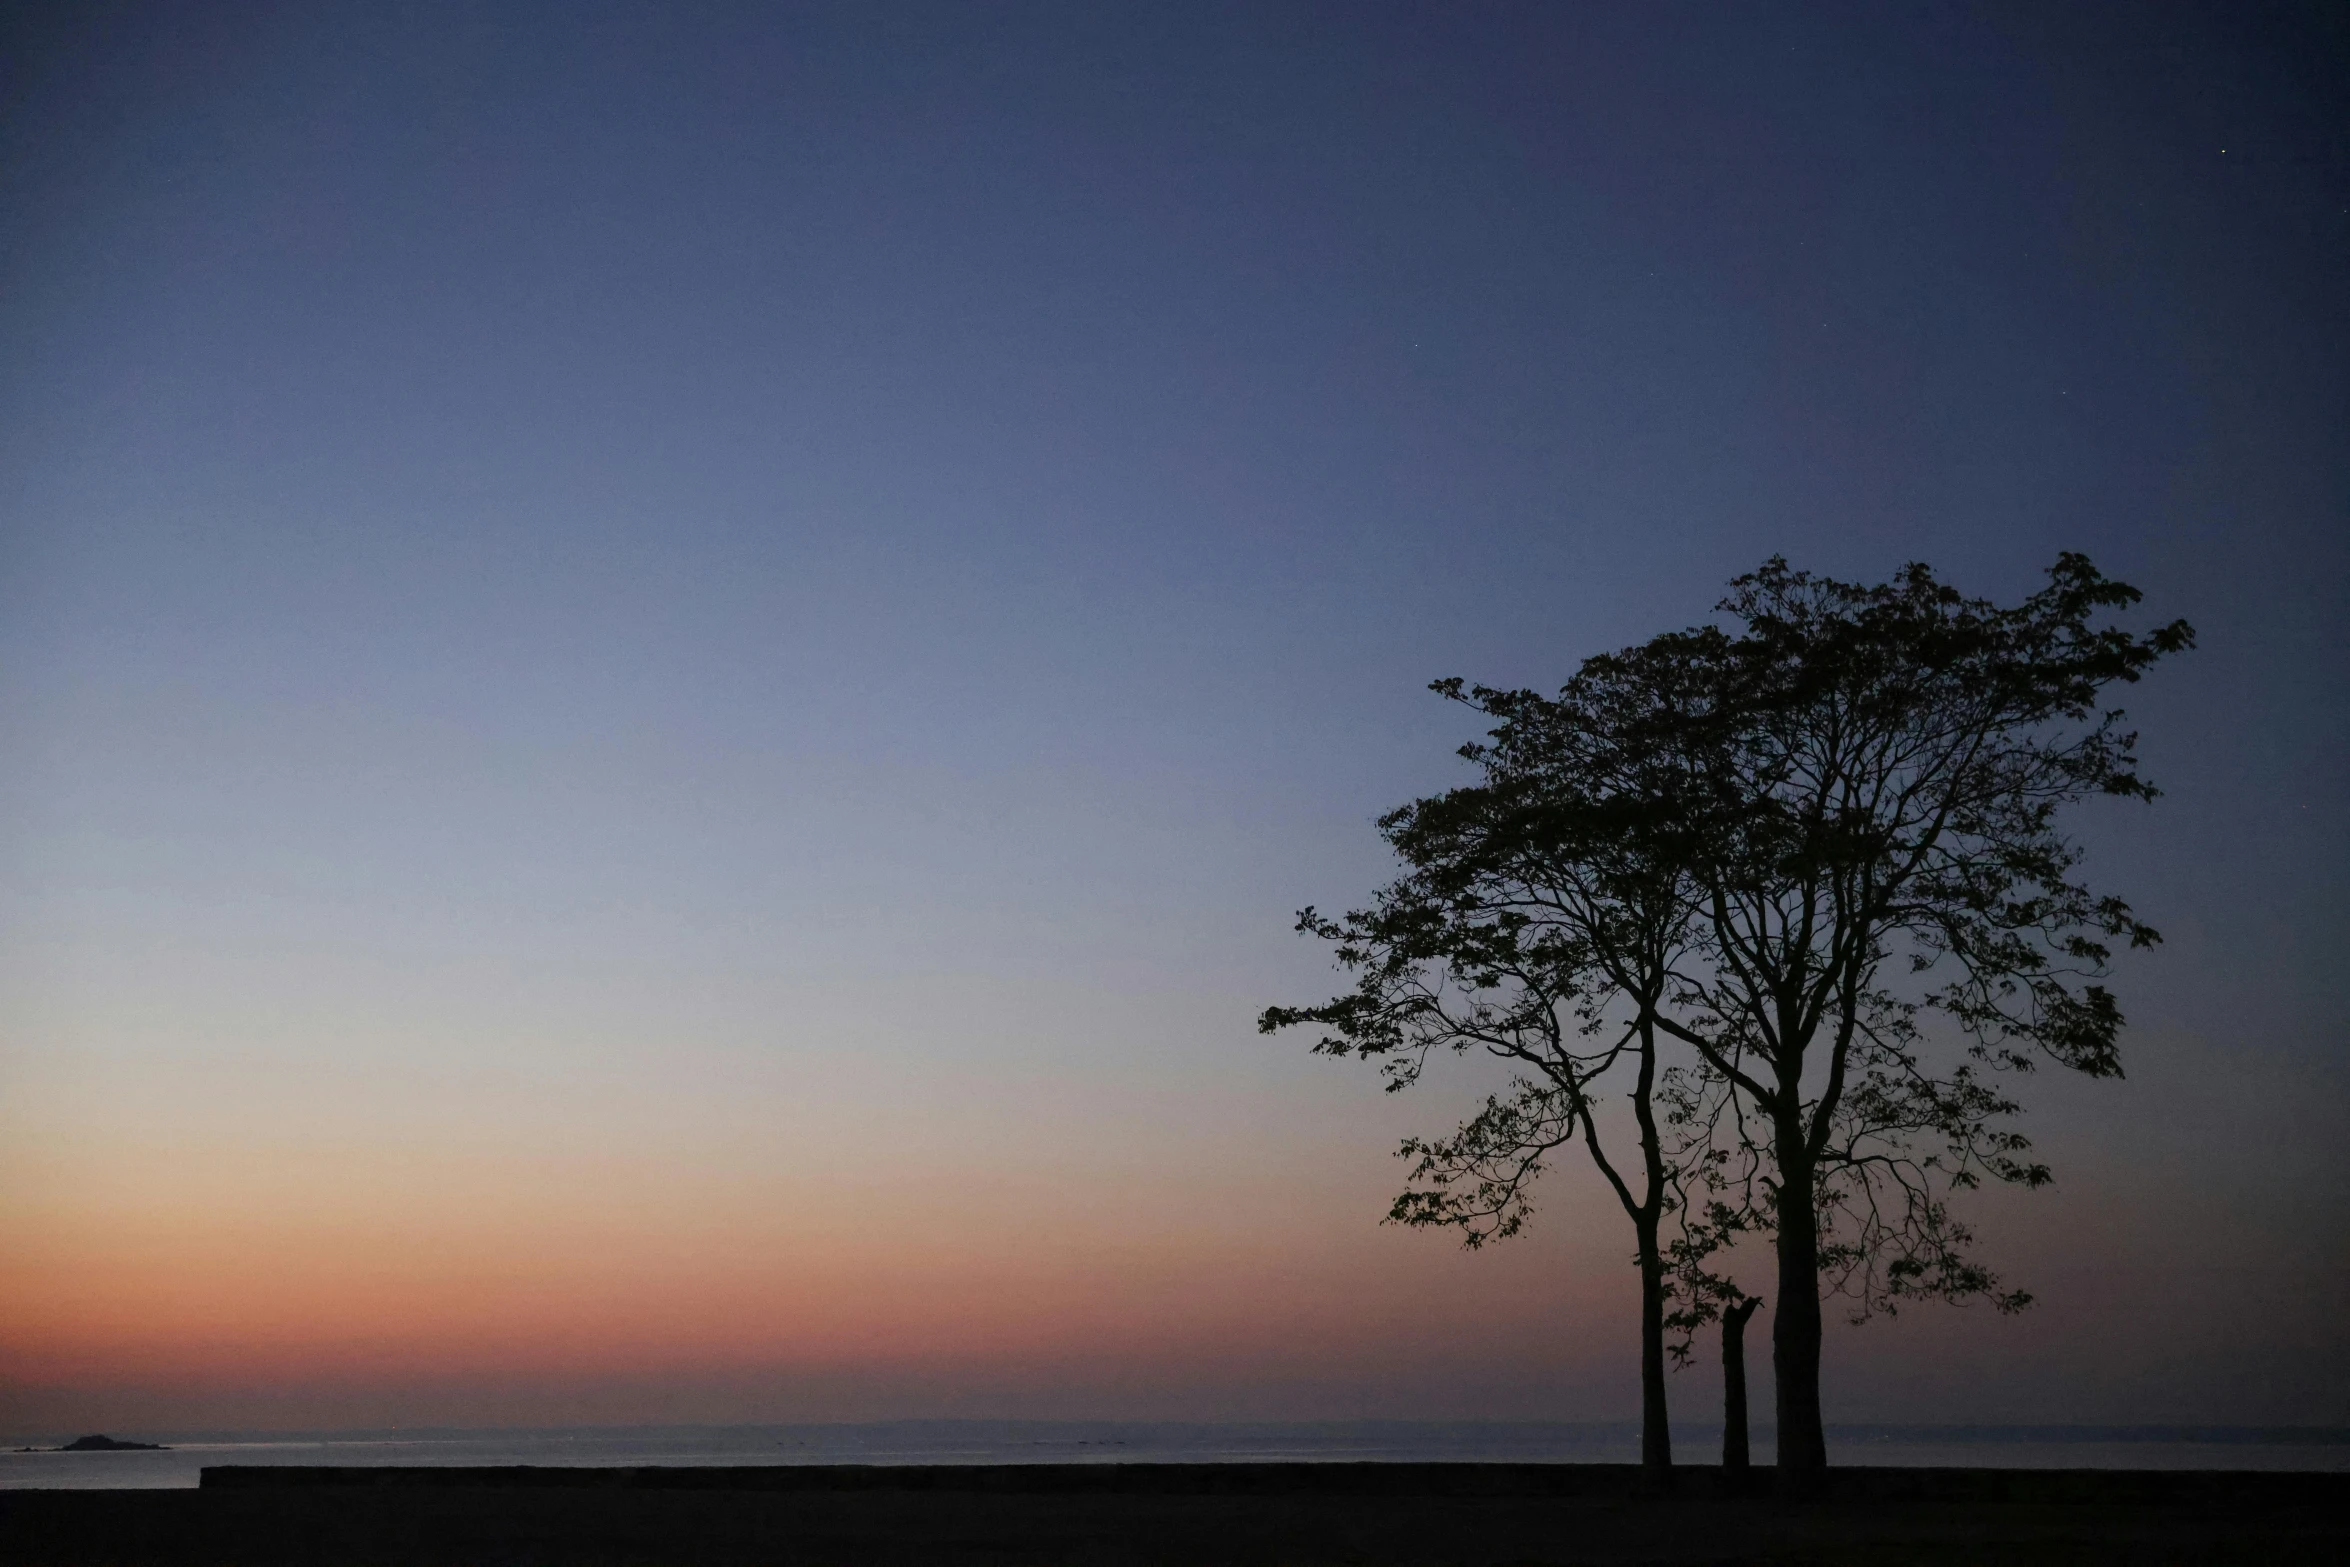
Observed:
{"x":368,"y":1268}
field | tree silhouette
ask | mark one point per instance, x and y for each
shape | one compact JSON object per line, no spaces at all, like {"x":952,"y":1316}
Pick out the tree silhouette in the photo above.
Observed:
{"x":1821,"y":851}
{"x":1734,"y":1448}
{"x":1539,"y":922}
{"x":1892,"y":916}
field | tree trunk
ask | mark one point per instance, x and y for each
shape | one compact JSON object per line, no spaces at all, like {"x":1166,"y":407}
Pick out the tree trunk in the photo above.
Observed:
{"x":1734,"y":1448}
{"x":1795,"y":1323}
{"x":1656,"y":1431}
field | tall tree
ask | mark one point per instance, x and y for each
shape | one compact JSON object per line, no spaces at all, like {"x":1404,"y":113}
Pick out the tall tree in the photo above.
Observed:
{"x":1892,"y":914}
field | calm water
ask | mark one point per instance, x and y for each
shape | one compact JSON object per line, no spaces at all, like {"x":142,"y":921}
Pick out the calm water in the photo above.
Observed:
{"x":996,"y":1442}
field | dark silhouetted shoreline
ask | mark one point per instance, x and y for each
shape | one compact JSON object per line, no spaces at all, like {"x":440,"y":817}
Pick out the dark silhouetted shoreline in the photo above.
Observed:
{"x":1081,"y":1515}
{"x":1876,"y":1484}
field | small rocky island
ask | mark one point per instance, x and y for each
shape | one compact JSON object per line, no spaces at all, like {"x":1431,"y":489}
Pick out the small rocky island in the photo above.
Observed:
{"x":107,"y":1444}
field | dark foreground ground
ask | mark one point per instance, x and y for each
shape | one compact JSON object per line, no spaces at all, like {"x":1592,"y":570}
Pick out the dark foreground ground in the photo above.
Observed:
{"x":1179,"y":1514}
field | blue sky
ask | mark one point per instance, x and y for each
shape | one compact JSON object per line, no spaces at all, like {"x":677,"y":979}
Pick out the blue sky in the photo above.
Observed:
{"x":734,"y":597}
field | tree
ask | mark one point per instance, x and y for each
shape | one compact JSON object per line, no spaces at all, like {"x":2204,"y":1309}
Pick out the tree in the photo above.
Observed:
{"x":1700,"y":1293}
{"x":1822,"y":851}
{"x":1539,"y":921}
{"x":1734,"y":1445}
{"x":1891,"y":914}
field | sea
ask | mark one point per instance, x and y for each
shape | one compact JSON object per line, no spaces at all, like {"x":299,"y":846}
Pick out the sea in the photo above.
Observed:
{"x":1103,"y":1442}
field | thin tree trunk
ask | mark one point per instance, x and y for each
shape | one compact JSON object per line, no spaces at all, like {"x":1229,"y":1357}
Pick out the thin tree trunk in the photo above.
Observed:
{"x":1795,"y":1324}
{"x":1656,"y":1431}
{"x":1735,"y":1456}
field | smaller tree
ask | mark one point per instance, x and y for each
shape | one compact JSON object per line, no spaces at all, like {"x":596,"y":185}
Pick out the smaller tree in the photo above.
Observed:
{"x":1735,"y":1458}
{"x":1539,"y":923}
{"x":1700,"y":1293}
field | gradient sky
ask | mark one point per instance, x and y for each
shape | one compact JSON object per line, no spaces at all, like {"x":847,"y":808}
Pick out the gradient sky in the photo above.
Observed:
{"x":669,"y":672}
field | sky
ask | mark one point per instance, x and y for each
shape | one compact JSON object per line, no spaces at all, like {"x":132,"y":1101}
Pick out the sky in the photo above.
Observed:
{"x":669,"y":673}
